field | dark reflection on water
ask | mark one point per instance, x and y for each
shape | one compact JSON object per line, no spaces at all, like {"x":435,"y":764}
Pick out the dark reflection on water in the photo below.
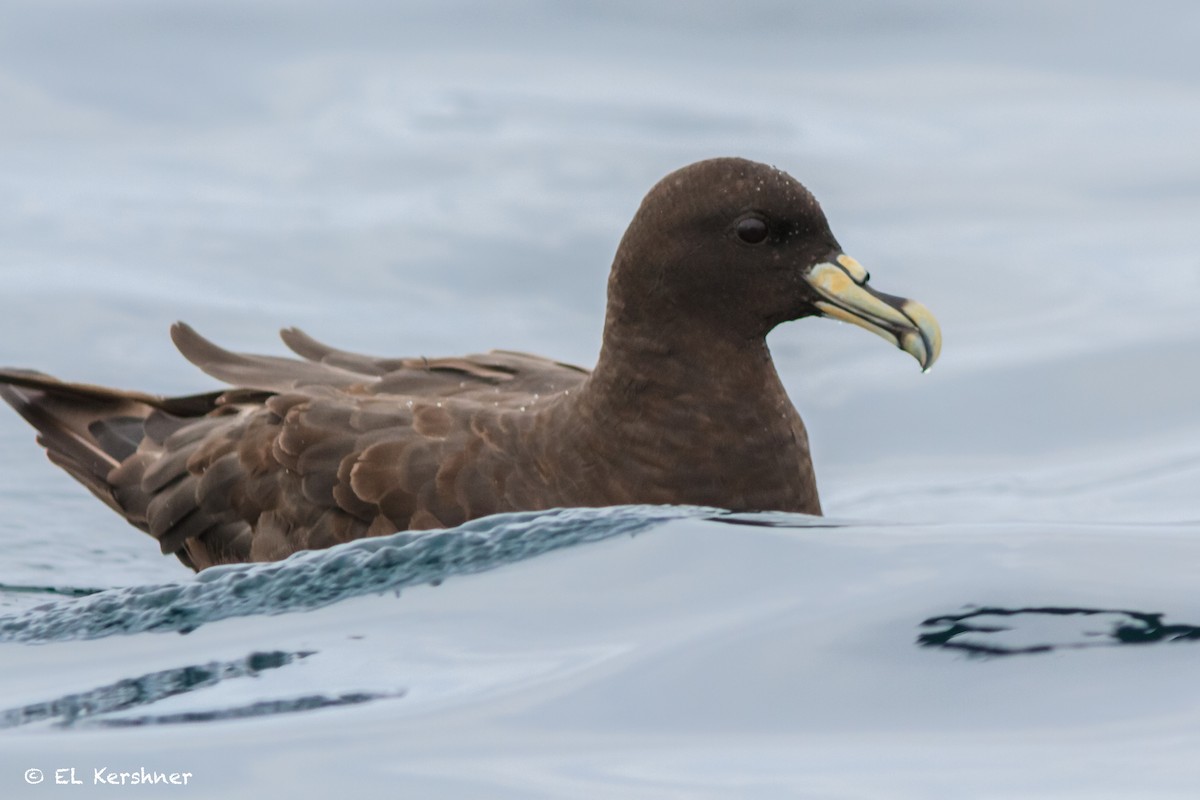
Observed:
{"x":58,"y":591}
{"x":260,"y":709}
{"x":993,"y":631}
{"x":145,"y":689}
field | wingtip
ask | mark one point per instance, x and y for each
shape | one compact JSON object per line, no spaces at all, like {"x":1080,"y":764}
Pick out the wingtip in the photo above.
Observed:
{"x":303,"y":345}
{"x":292,"y":334}
{"x":198,"y":350}
{"x":181,"y":331}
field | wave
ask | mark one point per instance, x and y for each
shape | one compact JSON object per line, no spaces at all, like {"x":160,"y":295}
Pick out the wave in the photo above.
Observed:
{"x":317,"y":578}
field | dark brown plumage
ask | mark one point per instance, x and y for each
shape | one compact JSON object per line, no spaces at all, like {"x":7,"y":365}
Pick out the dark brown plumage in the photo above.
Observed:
{"x":684,"y":405}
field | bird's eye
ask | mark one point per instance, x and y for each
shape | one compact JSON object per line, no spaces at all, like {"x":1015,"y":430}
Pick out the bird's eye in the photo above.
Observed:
{"x":752,"y":230}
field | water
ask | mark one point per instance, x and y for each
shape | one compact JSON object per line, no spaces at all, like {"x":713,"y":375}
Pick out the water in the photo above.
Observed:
{"x":434,"y":179}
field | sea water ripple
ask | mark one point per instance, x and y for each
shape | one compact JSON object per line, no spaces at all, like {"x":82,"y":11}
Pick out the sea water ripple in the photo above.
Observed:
{"x":317,"y":578}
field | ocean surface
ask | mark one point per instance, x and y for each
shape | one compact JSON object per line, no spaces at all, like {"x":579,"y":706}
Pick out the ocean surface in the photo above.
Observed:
{"x":1001,"y":601}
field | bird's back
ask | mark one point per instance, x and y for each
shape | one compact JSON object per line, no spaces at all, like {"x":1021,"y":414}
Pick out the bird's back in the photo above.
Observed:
{"x":303,"y":453}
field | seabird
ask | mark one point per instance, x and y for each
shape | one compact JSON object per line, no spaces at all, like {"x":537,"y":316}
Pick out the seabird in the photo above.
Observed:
{"x":683,"y":407}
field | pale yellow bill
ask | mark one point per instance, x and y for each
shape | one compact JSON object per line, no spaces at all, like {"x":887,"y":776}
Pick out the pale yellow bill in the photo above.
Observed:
{"x":844,"y":294}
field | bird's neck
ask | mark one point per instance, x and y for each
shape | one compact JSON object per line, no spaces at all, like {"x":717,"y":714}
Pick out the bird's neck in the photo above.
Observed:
{"x":646,"y":361}
{"x":704,"y":416}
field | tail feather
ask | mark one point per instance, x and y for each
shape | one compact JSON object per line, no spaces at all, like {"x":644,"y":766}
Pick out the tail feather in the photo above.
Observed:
{"x":90,"y":430}
{"x":110,"y":440}
{"x":64,"y":430}
{"x":119,"y":436}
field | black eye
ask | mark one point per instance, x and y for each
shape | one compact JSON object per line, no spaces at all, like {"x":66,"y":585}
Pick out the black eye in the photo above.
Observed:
{"x":752,"y":230}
